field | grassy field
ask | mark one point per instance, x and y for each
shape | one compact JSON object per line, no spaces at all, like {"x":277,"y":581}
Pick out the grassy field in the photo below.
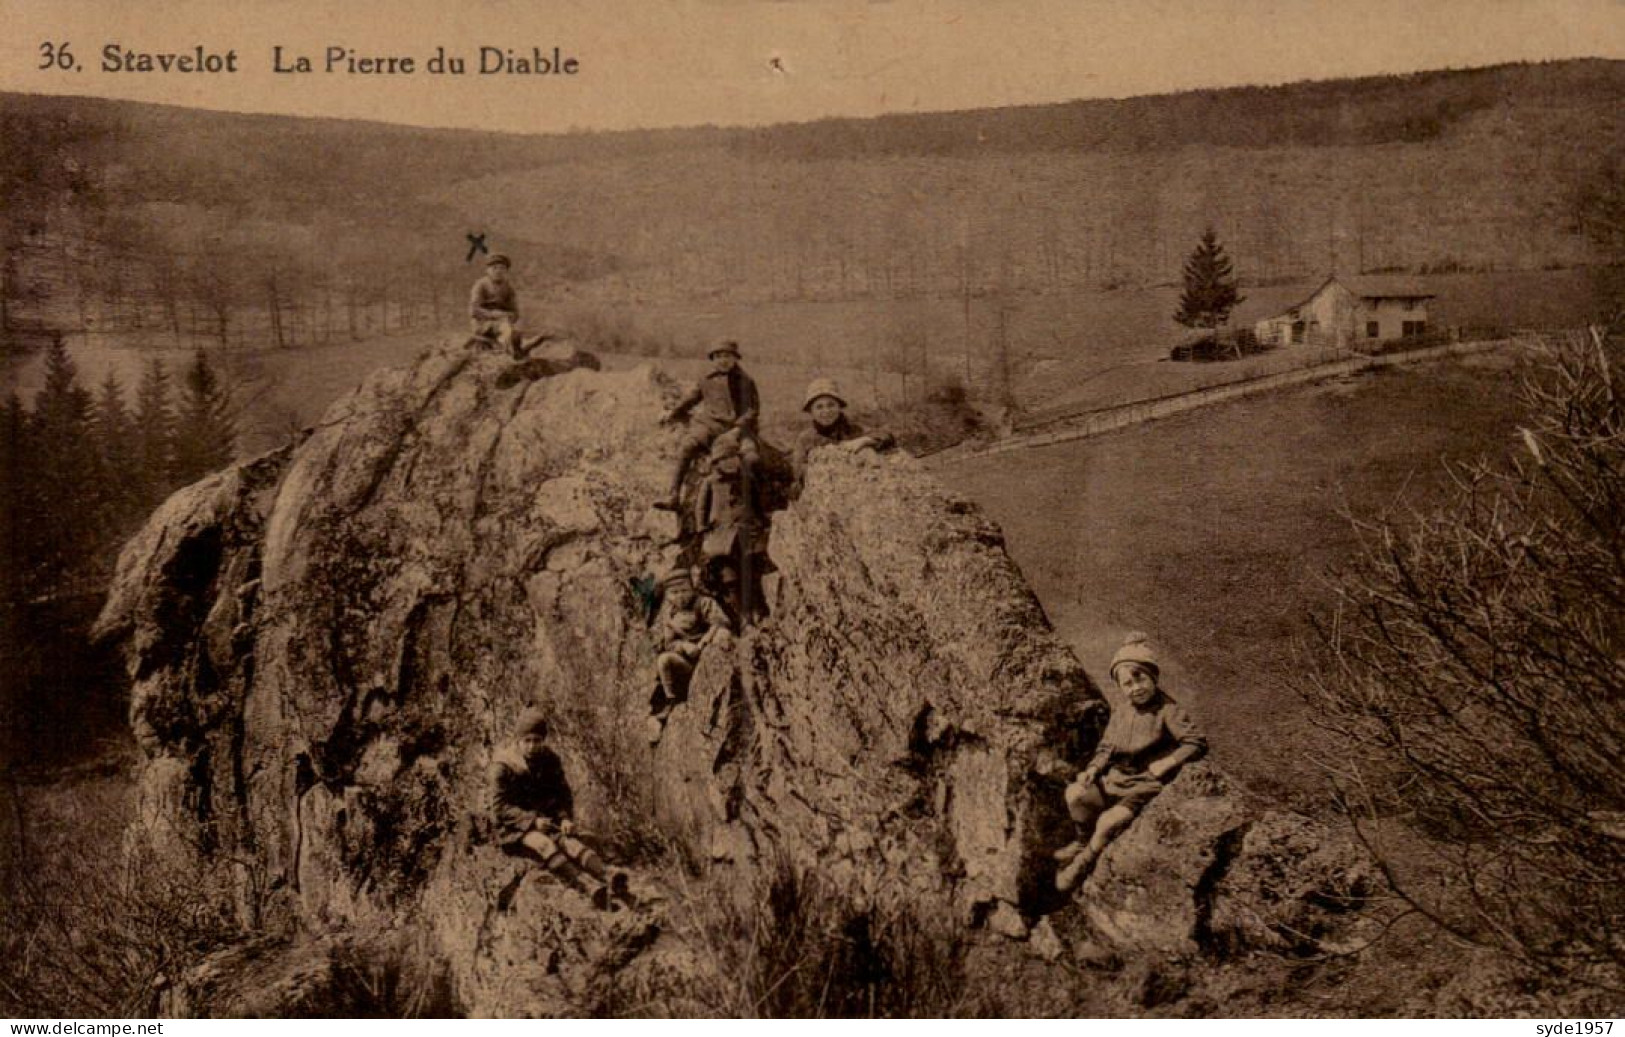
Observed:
{"x":1078,"y":348}
{"x":1212,"y":531}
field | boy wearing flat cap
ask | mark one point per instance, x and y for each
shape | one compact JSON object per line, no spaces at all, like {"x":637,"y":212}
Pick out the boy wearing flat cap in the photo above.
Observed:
{"x":830,"y":427}
{"x":728,"y":402}
{"x":1149,"y":737}
{"x":494,"y":306}
{"x":531,"y":808}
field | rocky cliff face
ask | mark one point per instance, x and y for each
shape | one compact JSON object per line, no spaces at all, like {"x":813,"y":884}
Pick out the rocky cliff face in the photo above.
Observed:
{"x":327,"y":644}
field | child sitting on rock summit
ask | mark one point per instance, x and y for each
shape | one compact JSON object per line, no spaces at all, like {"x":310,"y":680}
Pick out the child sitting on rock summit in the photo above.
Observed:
{"x":1147,"y":739}
{"x":729,"y":404}
{"x":830,"y":427}
{"x":493,"y":307}
{"x":693,"y":621}
{"x":532,"y":809}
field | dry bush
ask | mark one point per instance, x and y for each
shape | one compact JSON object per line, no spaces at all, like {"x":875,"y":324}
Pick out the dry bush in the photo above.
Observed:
{"x":396,"y":976}
{"x":88,"y":935}
{"x":947,"y":416}
{"x":1472,"y":672}
{"x":616,"y":753}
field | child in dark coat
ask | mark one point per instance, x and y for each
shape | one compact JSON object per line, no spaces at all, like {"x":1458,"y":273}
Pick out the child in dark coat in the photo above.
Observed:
{"x":732,"y":527}
{"x":728,"y":404}
{"x":531,"y":809}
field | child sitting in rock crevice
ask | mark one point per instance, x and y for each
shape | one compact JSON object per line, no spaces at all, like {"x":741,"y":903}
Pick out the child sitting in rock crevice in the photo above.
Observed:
{"x":731,"y":524}
{"x":691,"y":622}
{"x":728,"y":404}
{"x":1147,"y":740}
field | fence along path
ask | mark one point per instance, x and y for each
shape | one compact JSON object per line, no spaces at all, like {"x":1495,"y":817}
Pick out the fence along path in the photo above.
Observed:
{"x":1086,"y":423}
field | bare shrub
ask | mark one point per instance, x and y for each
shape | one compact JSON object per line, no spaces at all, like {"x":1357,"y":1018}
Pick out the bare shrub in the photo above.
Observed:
{"x":86,"y":937}
{"x":1472,"y":671}
{"x":945,"y":417}
{"x":617,"y":754}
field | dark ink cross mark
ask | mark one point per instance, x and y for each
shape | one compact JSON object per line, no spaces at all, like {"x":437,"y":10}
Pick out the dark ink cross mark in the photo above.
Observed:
{"x":476,"y":245}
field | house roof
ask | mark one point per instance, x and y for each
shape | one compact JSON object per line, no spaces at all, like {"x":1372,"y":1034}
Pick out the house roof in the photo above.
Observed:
{"x":1366,"y":287}
{"x":1369,"y":287}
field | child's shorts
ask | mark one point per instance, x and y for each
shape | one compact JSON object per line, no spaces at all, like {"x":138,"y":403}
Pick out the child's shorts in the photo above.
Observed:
{"x":1115,"y":787}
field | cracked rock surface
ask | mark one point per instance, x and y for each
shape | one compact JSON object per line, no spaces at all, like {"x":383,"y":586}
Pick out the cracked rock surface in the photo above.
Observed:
{"x":327,"y":644}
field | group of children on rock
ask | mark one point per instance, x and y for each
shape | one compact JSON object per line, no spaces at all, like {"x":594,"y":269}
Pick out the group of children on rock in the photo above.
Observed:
{"x":1145,"y":742}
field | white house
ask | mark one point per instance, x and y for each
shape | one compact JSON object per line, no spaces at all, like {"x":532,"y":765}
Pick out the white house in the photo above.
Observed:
{"x":1346,"y":311}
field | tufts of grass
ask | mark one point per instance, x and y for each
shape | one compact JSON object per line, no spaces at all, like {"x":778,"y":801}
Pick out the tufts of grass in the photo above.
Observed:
{"x":790,"y":944}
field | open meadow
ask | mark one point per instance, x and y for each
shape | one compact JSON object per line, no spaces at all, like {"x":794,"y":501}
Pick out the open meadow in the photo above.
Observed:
{"x":1075,"y":348}
{"x":1211,"y":531}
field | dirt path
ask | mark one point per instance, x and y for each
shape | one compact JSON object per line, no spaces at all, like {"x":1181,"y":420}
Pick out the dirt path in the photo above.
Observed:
{"x":1107,"y":419}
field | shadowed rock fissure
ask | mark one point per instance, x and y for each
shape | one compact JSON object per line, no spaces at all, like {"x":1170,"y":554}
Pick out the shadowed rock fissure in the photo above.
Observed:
{"x":1226,"y":849}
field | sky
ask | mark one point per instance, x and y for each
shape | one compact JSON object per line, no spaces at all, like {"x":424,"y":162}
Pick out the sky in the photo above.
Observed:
{"x":746,"y":62}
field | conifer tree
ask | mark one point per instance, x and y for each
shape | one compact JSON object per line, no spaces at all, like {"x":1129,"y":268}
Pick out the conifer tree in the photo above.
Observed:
{"x":61,"y":407}
{"x":114,"y":426}
{"x":15,"y":442}
{"x":154,"y":432}
{"x":60,"y":521}
{"x":205,"y":429}
{"x":118,"y":456}
{"x":1210,"y":286}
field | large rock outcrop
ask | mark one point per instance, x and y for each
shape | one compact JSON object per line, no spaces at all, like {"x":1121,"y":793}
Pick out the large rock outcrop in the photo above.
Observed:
{"x":326,"y":644}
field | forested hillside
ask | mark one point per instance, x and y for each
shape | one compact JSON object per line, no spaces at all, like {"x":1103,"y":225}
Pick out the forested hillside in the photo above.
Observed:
{"x":188,"y":224}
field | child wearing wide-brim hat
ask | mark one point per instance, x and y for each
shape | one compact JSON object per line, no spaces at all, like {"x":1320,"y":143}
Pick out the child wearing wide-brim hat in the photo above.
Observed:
{"x":830,"y":427}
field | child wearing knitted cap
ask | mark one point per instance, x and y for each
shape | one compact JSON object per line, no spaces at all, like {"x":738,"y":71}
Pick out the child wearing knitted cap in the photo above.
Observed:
{"x":532,"y":808}
{"x":1148,"y":738}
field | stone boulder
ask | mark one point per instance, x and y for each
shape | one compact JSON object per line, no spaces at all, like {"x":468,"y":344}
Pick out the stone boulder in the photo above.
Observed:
{"x":326,"y":645}
{"x":1204,"y":872}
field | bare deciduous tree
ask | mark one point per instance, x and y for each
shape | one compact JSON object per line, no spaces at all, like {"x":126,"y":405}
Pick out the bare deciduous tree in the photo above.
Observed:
{"x":1473,"y":674}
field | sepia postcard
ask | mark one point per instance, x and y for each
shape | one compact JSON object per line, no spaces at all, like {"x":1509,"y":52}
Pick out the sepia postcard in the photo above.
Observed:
{"x":812,"y":508}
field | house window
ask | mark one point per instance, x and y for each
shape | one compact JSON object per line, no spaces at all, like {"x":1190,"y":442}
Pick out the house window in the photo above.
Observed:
{"x":1415,"y":327}
{"x":1371,"y":330}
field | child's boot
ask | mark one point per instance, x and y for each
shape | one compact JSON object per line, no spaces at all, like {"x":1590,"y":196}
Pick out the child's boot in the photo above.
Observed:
{"x":1080,"y":839}
{"x":1068,"y":877}
{"x":596,"y":891}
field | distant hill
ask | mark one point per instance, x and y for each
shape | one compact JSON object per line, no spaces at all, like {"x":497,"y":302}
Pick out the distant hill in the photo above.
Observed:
{"x":327,"y":219}
{"x":1451,"y":169}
